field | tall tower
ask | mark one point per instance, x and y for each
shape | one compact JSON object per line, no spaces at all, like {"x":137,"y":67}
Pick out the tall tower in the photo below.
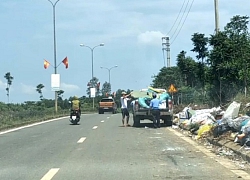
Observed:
{"x":216,"y":16}
{"x":166,"y":47}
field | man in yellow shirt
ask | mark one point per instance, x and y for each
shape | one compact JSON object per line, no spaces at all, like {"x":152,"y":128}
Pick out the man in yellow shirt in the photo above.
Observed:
{"x":76,"y":105}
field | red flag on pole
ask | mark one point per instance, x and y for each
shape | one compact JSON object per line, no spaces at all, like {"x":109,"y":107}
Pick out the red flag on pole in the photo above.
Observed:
{"x":46,"y":64}
{"x":66,"y":62}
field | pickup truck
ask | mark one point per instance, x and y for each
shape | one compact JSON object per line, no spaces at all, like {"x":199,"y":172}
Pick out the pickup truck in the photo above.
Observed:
{"x":107,"y":105}
{"x":141,"y":113}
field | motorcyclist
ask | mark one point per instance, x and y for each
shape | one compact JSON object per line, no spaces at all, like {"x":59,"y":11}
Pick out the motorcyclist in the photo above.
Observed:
{"x":76,"y":105}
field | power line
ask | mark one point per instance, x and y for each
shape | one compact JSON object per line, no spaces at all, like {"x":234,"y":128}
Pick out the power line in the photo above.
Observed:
{"x":183,"y":22}
{"x":166,"y":45}
{"x":164,"y":48}
{"x":177,"y":17}
{"x":181,"y":18}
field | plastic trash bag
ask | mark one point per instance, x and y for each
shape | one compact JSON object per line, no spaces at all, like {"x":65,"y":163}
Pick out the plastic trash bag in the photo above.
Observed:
{"x":164,"y":96}
{"x":204,"y":129}
{"x":232,"y":110}
{"x":142,"y":102}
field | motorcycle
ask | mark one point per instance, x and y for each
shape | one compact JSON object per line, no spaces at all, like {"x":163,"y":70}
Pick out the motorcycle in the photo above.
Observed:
{"x":74,"y":116}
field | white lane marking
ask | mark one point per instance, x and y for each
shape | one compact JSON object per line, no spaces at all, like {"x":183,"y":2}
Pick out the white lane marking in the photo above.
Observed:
{"x":224,"y":162}
{"x":30,"y":125}
{"x":95,"y":127}
{"x":81,"y":140}
{"x":102,"y":121}
{"x":50,"y":174}
{"x":108,"y":117}
{"x":154,"y":137}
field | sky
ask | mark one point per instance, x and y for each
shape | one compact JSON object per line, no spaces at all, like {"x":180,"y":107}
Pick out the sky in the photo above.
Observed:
{"x":131,"y":31}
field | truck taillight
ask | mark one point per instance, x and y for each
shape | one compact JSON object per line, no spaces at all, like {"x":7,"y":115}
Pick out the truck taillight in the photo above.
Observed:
{"x":170,"y":105}
{"x":136,"y":105}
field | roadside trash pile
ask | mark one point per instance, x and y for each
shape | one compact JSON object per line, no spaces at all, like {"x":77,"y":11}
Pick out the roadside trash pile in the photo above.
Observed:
{"x":216,"y":123}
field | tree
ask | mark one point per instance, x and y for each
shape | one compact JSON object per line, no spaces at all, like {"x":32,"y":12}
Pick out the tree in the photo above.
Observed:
{"x":93,"y":83}
{"x":60,"y":94}
{"x":39,"y":88}
{"x":200,"y":47}
{"x":106,"y":89}
{"x":237,"y":31}
{"x":166,"y":77}
{"x":229,"y":59}
{"x":200,"y":43}
{"x":9,"y":79}
{"x":188,"y":69}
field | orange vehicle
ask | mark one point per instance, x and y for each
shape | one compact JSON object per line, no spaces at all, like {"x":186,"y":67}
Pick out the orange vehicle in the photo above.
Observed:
{"x":107,"y":105}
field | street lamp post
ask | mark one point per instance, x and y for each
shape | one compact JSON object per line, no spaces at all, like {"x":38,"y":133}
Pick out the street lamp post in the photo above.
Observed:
{"x":109,"y":69}
{"x":55,"y":65}
{"x":92,"y":59}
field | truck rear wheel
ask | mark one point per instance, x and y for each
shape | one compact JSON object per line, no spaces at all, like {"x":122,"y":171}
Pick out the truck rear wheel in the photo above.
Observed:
{"x":136,"y":121}
{"x":168,"y":121}
{"x":100,"y":111}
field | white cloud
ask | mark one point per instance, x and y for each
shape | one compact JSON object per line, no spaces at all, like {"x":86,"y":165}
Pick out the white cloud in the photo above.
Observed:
{"x":69,"y":87}
{"x":2,"y":85}
{"x":150,"y":37}
{"x":28,"y":89}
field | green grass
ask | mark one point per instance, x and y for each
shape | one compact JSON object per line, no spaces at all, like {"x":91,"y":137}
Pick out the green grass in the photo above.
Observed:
{"x":10,"y":119}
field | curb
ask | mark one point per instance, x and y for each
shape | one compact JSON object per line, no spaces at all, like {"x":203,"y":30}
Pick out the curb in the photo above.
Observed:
{"x":236,"y":148}
{"x":239,"y":150}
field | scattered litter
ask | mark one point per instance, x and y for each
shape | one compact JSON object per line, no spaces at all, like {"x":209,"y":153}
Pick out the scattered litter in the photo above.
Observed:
{"x":175,"y":127}
{"x":210,"y":126}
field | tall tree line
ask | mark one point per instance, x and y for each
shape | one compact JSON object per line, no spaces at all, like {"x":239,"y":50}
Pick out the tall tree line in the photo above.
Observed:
{"x":220,"y":70}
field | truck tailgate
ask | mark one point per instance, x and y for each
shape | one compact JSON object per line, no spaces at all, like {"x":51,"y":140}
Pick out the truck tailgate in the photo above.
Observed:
{"x":106,"y":104}
{"x":142,"y":111}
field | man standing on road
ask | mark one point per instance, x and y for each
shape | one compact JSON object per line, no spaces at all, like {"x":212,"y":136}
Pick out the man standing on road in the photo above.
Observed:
{"x":124,"y":108}
{"x":154,"y":105}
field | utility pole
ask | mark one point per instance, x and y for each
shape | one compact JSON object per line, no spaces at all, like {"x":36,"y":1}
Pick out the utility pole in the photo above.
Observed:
{"x":166,"y":47}
{"x":54,"y":30}
{"x":216,"y":10}
{"x":92,"y":60}
{"x":216,"y":16}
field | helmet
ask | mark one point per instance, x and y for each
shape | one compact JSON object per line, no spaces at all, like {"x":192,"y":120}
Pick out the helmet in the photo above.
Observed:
{"x":154,"y":95}
{"x":75,"y":98}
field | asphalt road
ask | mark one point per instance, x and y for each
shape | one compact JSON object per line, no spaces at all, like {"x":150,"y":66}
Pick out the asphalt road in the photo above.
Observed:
{"x":99,"y":148}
